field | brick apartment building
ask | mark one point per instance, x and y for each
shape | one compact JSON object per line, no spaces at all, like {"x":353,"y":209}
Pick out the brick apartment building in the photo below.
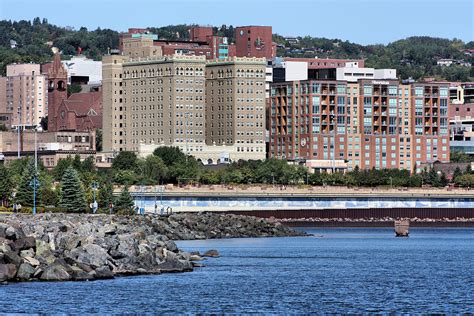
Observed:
{"x":378,"y":123}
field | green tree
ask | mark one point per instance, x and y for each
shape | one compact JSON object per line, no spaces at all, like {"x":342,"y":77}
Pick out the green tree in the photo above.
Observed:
{"x":73,"y":88}
{"x":459,"y":156}
{"x":24,"y":193}
{"x":125,"y":160}
{"x":5,"y":185}
{"x":154,"y":169}
{"x":106,"y":194}
{"x":466,"y":180}
{"x":170,"y":155}
{"x":61,"y":166}
{"x":72,"y":196}
{"x":457,"y":173}
{"x":48,"y":196}
{"x":125,"y":200}
{"x":98,"y":140}
{"x":76,"y":163}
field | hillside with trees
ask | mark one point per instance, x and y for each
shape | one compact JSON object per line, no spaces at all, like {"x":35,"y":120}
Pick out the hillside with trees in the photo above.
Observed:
{"x":30,"y":41}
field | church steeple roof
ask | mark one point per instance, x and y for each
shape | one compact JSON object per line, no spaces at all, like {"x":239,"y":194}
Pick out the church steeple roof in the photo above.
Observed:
{"x":57,"y":69}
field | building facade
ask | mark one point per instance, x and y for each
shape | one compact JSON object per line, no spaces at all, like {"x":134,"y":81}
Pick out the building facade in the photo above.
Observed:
{"x":23,"y":96}
{"x":235,"y":104}
{"x":254,"y":41}
{"x":113,"y":103}
{"x":51,"y":146}
{"x":370,"y":124}
{"x":164,"y":102}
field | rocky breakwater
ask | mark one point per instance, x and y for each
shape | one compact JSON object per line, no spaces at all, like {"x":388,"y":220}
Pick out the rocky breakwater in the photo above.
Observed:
{"x":63,"y":247}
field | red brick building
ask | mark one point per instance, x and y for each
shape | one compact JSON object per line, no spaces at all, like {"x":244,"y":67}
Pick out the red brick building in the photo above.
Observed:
{"x":254,"y":41}
{"x":80,"y":112}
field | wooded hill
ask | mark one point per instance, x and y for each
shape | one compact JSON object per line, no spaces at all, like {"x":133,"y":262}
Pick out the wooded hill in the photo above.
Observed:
{"x":412,"y":57}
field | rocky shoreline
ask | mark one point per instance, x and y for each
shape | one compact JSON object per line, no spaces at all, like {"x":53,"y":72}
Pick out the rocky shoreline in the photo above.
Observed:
{"x":78,"y":247}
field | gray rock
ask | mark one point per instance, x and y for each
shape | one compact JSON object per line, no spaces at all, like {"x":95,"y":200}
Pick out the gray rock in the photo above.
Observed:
{"x":104,"y":273}
{"x":14,"y":233}
{"x":12,"y":257}
{"x":34,"y":262}
{"x":25,"y":271}
{"x":80,"y":275}
{"x":211,"y":253}
{"x":90,"y":254}
{"x":195,"y":258}
{"x":55,"y":272}
{"x":5,"y":245}
{"x":42,"y":247}
{"x":23,"y":243}
{"x":27,"y":253}
{"x":7,"y":272}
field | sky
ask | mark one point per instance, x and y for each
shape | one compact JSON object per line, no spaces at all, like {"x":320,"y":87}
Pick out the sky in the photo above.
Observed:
{"x":359,"y":21}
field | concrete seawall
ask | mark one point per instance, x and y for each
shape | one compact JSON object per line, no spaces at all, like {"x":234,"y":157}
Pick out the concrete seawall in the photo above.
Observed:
{"x":302,"y":199}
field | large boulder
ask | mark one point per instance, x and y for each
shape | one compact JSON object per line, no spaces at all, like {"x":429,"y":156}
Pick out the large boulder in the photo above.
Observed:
{"x":42,"y":247}
{"x":27,"y":253}
{"x":7,"y":272}
{"x":171,"y":263}
{"x":12,"y":257}
{"x":14,"y":233}
{"x":211,"y":253}
{"x":55,"y":272}
{"x":23,"y":243}
{"x":90,"y":254}
{"x":25,"y":271}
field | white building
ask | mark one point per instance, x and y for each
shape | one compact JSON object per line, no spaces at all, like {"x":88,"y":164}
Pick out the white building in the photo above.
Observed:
{"x":83,"y":70}
{"x":445,"y":62}
{"x":352,"y":73}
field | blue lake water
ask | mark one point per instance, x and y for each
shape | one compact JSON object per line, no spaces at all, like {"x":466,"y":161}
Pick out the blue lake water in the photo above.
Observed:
{"x":350,"y":270}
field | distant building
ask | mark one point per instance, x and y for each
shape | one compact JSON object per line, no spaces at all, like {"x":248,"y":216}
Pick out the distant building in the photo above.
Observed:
{"x":351,"y":73}
{"x":254,"y":41}
{"x":80,"y":112}
{"x":23,"y":97}
{"x":461,"y":117}
{"x":449,"y":62}
{"x":445,"y":62}
{"x":292,"y":40}
{"x":80,"y":71}
{"x":52,"y":146}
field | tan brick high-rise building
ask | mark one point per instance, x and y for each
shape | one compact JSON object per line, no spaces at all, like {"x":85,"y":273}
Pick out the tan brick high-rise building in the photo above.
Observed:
{"x":235,"y":99}
{"x":23,"y":96}
{"x":164,"y":101}
{"x":113,"y":121}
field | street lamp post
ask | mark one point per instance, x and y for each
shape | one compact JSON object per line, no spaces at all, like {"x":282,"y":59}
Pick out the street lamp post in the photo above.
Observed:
{"x":34,"y":182}
{"x":391,"y":183}
{"x":142,"y":190}
{"x":94,"y":204}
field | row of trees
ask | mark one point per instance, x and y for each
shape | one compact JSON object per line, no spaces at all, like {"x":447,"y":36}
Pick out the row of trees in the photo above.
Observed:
{"x":170,"y":165}
{"x":67,"y":187}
